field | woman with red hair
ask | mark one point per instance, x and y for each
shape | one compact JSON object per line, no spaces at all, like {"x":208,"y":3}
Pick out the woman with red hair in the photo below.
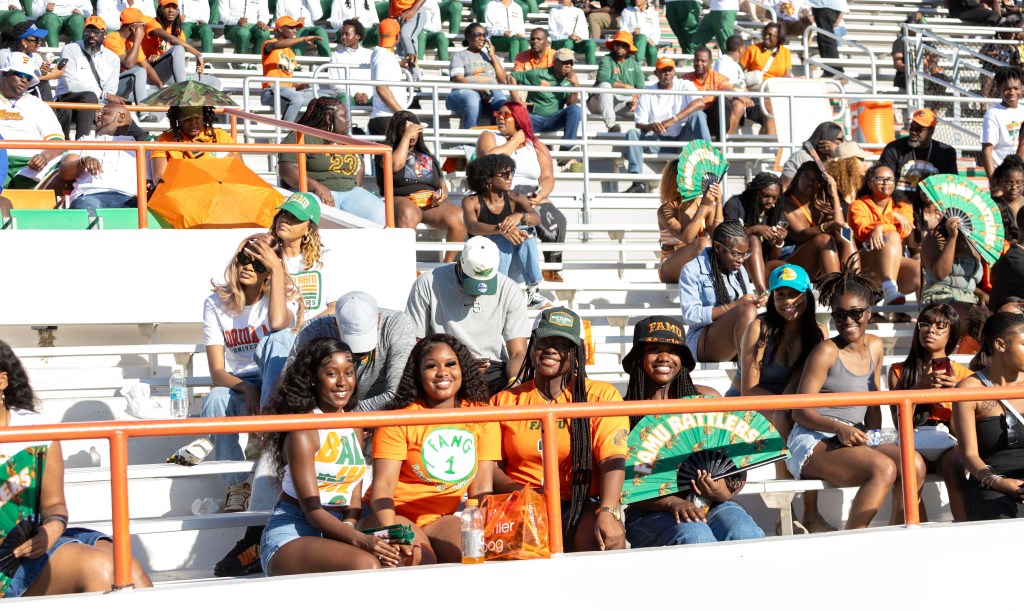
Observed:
{"x":535,"y":174}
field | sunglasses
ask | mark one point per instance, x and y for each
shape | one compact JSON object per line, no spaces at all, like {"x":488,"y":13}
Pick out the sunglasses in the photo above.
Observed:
{"x":477,"y":34}
{"x":856,"y":314}
{"x":243,"y":258}
{"x":939,"y":327}
{"x":21,"y":75}
{"x":502,"y":114}
{"x":33,"y":40}
{"x":507,"y":174}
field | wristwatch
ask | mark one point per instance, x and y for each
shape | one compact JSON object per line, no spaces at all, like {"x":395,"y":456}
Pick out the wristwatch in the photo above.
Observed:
{"x":615,"y":511}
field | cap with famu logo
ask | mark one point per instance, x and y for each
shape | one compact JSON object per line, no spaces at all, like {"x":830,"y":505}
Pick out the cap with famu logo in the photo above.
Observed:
{"x":303,"y":206}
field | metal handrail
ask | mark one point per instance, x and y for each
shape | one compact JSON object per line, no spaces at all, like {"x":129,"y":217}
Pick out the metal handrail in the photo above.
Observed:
{"x":821,"y":63}
{"x":119,"y":432}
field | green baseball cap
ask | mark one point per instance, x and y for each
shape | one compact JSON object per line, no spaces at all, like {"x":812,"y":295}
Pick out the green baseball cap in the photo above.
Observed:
{"x":303,"y":206}
{"x":560,"y":322}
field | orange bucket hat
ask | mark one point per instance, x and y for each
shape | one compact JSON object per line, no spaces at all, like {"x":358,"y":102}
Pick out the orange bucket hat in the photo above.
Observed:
{"x":621,"y":36}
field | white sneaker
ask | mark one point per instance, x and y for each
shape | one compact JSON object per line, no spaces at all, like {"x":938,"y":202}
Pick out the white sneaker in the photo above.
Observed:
{"x":535,"y":301}
{"x":238,"y":498}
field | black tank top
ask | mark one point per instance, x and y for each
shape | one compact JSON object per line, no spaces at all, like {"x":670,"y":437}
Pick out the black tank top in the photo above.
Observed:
{"x":490,"y":218}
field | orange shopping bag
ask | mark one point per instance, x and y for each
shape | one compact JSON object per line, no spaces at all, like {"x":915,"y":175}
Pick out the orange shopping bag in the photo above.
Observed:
{"x":516,"y":526}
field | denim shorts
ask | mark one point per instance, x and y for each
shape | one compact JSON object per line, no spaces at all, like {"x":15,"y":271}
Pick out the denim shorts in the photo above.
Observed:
{"x":287,"y":523}
{"x":30,"y":568}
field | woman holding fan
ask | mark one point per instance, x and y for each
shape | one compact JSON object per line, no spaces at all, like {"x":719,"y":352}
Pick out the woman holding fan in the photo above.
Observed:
{"x":659,"y":366}
{"x":51,"y":558}
{"x":813,"y":232}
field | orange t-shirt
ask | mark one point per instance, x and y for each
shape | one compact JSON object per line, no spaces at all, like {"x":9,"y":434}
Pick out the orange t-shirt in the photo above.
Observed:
{"x":756,"y":57}
{"x":526,"y":61}
{"x":438,"y":463}
{"x":939,"y":411}
{"x":151,"y":45}
{"x":521,"y":440}
{"x":713,"y":81}
{"x":219,"y":134}
{"x":864,"y":215}
{"x":279,"y":62}
{"x":400,"y":6}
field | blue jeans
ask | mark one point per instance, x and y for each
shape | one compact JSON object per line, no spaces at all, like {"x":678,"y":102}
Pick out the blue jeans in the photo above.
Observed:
{"x":568,"y":120}
{"x":220,"y":403}
{"x":271,"y":356}
{"x":103,"y":199}
{"x":360,"y":202}
{"x":292,"y":101}
{"x":468,"y":105}
{"x":521,"y":257}
{"x":694,"y":126}
{"x":726,"y":522}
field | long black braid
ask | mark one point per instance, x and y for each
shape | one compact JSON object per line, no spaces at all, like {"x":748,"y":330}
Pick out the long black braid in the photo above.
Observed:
{"x":847,"y":280}
{"x":751,"y":208}
{"x":727,"y":233}
{"x":174,"y":117}
{"x":681,"y":386}
{"x":580,"y":440}
{"x":320,"y":112}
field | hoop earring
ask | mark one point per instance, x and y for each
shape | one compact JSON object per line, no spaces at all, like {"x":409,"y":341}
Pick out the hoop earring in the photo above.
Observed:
{"x":305,"y":239}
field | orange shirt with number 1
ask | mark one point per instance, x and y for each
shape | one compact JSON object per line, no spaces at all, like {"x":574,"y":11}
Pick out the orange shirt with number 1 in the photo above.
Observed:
{"x":521,"y":440}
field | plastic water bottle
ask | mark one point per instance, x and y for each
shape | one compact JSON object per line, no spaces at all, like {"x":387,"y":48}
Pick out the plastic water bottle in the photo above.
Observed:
{"x":878,"y":437}
{"x":179,"y":395}
{"x":207,"y":506}
{"x":472,"y":533}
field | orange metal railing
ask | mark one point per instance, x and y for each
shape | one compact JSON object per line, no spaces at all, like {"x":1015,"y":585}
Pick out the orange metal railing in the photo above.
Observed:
{"x":118,"y":434}
{"x":352,"y":145}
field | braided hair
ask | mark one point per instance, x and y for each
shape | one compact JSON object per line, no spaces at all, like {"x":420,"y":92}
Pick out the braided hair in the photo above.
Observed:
{"x":174,"y":117}
{"x":727,"y":232}
{"x":320,"y":112}
{"x":848,"y":280}
{"x":751,"y":207}
{"x":681,"y":386}
{"x":580,"y":441}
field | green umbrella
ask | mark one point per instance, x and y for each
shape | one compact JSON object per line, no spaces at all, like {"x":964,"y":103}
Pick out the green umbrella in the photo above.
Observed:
{"x":189,"y":93}
{"x":665,"y":452}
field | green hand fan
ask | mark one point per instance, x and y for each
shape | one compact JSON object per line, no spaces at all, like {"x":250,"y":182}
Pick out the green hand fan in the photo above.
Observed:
{"x":980,"y":220}
{"x":700,"y":166}
{"x":398,"y":534}
{"x":20,"y":511}
{"x":665,"y":452}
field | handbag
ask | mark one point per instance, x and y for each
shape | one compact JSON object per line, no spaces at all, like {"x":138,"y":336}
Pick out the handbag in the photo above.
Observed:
{"x":754,"y":78}
{"x":516,"y":526}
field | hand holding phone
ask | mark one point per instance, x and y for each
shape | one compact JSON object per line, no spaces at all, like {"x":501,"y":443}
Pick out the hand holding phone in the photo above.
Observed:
{"x":942,"y":366}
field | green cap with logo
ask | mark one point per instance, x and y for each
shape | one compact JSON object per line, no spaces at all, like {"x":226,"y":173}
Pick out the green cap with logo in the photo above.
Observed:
{"x":303,"y":206}
{"x":560,"y":322}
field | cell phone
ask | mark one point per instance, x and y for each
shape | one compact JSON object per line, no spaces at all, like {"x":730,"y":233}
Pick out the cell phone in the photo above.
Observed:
{"x":783,"y":224}
{"x":63,"y":62}
{"x":943,"y":366}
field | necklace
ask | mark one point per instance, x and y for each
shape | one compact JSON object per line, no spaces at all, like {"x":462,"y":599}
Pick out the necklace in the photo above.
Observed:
{"x":927,"y":159}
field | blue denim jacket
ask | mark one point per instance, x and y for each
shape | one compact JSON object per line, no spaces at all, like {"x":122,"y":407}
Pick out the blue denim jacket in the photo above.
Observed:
{"x":697,"y":290}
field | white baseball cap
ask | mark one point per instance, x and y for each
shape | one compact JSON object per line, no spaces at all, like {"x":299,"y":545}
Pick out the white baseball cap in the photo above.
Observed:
{"x":479,"y":262}
{"x":356,"y":315}
{"x":19,"y":62}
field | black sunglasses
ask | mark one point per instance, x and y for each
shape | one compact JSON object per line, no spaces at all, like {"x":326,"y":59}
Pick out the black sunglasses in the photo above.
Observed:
{"x":243,"y":258}
{"x":856,"y":314}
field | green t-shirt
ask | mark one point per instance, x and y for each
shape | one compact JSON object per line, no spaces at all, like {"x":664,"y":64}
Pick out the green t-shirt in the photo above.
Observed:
{"x":336,"y":171}
{"x":545,"y":103}
{"x":629,"y":71}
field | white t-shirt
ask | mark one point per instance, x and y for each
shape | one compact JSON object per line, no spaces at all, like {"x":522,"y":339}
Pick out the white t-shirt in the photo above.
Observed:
{"x":384,"y":66}
{"x":28,"y":118}
{"x":499,"y":19}
{"x":240,"y":333}
{"x":22,"y":417}
{"x":654,"y":108}
{"x":730,"y":69}
{"x":431,"y":16}
{"x":564,"y":21}
{"x":118,"y":169}
{"x":1001,"y":128}
{"x":339,"y":465}
{"x":312,"y":283}
{"x":358,"y":61}
{"x":362,"y":10}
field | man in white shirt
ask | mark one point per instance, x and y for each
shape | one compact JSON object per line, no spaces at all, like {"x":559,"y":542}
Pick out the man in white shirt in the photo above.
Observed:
{"x":306,"y":11}
{"x":90,"y":76}
{"x":678,"y":118}
{"x":384,"y":66}
{"x":247,"y":24}
{"x":1000,"y":129}
{"x":506,"y":27}
{"x":568,"y":29}
{"x":25,"y":117}
{"x":107,"y":178}
{"x":352,"y":54}
{"x":61,"y":17}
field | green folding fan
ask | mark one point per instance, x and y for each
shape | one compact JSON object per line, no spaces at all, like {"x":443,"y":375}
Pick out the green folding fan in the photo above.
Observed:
{"x":665,"y":452}
{"x":980,"y":220}
{"x":700,"y":166}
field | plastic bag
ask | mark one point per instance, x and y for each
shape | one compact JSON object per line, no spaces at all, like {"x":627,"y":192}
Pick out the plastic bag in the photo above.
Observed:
{"x":516,"y":526}
{"x":140,"y":403}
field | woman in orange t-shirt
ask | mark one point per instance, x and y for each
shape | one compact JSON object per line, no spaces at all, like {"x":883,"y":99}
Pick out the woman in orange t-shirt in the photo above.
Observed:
{"x":591,"y":451}
{"x":421,"y":472}
{"x":880,"y":225}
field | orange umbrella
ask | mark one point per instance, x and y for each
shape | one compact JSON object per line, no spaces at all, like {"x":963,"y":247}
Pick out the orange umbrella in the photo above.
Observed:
{"x":214,"y":193}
